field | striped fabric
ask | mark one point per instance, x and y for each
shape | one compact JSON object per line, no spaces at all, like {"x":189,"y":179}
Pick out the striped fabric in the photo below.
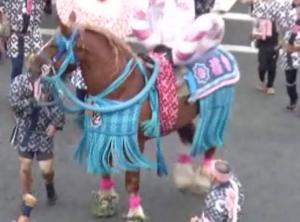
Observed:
{"x":112,"y":136}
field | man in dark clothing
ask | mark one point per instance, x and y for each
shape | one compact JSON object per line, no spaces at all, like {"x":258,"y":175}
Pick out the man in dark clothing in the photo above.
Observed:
{"x":48,"y":7}
{"x":267,"y":60}
{"x":267,"y":44}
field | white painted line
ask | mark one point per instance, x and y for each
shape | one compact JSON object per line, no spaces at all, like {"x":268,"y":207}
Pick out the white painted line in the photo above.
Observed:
{"x":47,"y":31}
{"x":232,"y":48}
{"x":241,"y":49}
{"x":238,"y":17}
{"x":223,"y":5}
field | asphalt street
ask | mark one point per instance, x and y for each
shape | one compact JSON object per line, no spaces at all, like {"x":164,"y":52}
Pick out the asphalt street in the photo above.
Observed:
{"x":262,"y":145}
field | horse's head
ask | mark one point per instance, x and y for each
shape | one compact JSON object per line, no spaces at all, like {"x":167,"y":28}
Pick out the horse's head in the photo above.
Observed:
{"x":57,"y":56}
{"x":100,"y":55}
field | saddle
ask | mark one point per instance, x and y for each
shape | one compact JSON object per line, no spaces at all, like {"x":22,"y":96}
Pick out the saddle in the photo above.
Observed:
{"x":166,"y":87}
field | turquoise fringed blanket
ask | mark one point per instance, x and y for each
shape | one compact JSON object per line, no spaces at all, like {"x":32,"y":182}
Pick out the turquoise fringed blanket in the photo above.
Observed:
{"x":110,"y":142}
{"x":109,"y":139}
{"x":213,"y":118}
{"x":211,"y":81}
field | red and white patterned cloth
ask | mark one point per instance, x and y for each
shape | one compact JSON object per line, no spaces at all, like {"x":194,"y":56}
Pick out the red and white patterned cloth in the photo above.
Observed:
{"x":97,"y":14}
{"x":167,"y":92}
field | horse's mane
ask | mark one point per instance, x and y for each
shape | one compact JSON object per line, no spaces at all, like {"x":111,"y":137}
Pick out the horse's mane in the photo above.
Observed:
{"x":120,"y":47}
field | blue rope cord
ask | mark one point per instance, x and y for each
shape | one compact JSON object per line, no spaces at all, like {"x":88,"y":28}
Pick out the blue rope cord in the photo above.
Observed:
{"x":151,"y":127}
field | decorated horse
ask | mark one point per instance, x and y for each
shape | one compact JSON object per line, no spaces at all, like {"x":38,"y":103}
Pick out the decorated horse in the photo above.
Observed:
{"x":133,"y":98}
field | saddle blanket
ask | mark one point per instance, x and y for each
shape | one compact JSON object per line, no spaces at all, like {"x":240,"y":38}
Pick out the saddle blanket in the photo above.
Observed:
{"x":216,"y":69}
{"x":167,"y":93}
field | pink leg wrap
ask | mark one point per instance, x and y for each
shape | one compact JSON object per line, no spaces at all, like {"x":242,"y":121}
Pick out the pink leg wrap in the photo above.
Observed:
{"x":209,"y":156}
{"x":207,"y":161}
{"x":184,"y":158}
{"x":106,"y":184}
{"x":134,"y":201}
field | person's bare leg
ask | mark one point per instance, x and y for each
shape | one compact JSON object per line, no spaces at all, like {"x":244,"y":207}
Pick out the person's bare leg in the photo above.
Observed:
{"x":47,"y":169}
{"x":29,"y":202}
{"x":25,"y":175}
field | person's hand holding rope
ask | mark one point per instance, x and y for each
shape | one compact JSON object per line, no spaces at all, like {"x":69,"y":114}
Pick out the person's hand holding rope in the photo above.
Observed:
{"x":38,"y":93}
{"x":51,"y":131}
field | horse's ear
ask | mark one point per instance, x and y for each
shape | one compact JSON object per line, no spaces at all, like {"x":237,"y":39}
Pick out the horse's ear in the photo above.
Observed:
{"x":73,"y":17}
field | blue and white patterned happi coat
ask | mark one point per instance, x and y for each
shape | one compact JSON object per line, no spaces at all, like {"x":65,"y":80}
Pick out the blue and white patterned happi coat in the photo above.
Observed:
{"x":219,"y":203}
{"x":33,"y":38}
{"x":32,"y":121}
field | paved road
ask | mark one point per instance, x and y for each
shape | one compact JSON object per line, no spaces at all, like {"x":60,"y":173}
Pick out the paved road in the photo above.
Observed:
{"x":262,"y":145}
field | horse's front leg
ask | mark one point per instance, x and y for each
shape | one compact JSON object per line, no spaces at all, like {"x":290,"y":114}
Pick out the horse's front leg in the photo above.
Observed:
{"x":105,"y":200}
{"x":132,"y":183}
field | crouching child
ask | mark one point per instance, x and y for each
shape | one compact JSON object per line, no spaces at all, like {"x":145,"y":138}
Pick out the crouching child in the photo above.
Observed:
{"x":225,"y":199}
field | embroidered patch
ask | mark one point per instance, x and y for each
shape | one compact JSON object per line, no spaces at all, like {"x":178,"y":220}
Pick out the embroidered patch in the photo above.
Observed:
{"x":96,"y":120}
{"x":217,"y":69}
{"x":201,"y":73}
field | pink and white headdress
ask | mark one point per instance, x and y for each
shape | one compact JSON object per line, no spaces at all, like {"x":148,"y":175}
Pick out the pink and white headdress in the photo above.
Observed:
{"x":97,"y":14}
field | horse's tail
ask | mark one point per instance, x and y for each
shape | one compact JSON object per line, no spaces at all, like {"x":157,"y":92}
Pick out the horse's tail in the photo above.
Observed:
{"x":186,"y":133}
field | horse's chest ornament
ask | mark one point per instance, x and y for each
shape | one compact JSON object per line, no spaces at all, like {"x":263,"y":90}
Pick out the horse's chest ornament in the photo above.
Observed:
{"x":96,"y":119}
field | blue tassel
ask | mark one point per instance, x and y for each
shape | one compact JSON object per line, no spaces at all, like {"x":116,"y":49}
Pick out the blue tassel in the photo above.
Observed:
{"x":98,"y":151}
{"x":151,"y":128}
{"x":161,"y":163}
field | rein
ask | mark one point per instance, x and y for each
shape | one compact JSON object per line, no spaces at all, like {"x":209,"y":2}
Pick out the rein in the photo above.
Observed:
{"x":102,"y":105}
{"x":67,"y":45}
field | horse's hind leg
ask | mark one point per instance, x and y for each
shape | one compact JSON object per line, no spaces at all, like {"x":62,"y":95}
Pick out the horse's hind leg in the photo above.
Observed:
{"x":132,"y":183}
{"x":186,"y":133}
{"x":183,"y":173}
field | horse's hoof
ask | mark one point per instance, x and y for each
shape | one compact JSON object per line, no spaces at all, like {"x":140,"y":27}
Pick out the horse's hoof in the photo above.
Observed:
{"x":183,"y":176}
{"x":201,"y":183}
{"x":136,"y":215}
{"x":104,"y":204}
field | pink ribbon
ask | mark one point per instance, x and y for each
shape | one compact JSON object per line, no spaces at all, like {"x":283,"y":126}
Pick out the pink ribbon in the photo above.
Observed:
{"x":265,"y":28}
{"x":29,"y":7}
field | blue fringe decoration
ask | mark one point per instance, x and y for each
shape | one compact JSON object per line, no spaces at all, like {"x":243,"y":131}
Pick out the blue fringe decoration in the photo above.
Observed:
{"x":116,"y":138}
{"x":151,"y":128}
{"x":214,"y":114}
{"x":112,"y":146}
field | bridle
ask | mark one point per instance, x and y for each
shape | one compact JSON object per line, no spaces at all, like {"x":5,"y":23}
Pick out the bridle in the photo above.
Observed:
{"x":65,"y":48}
